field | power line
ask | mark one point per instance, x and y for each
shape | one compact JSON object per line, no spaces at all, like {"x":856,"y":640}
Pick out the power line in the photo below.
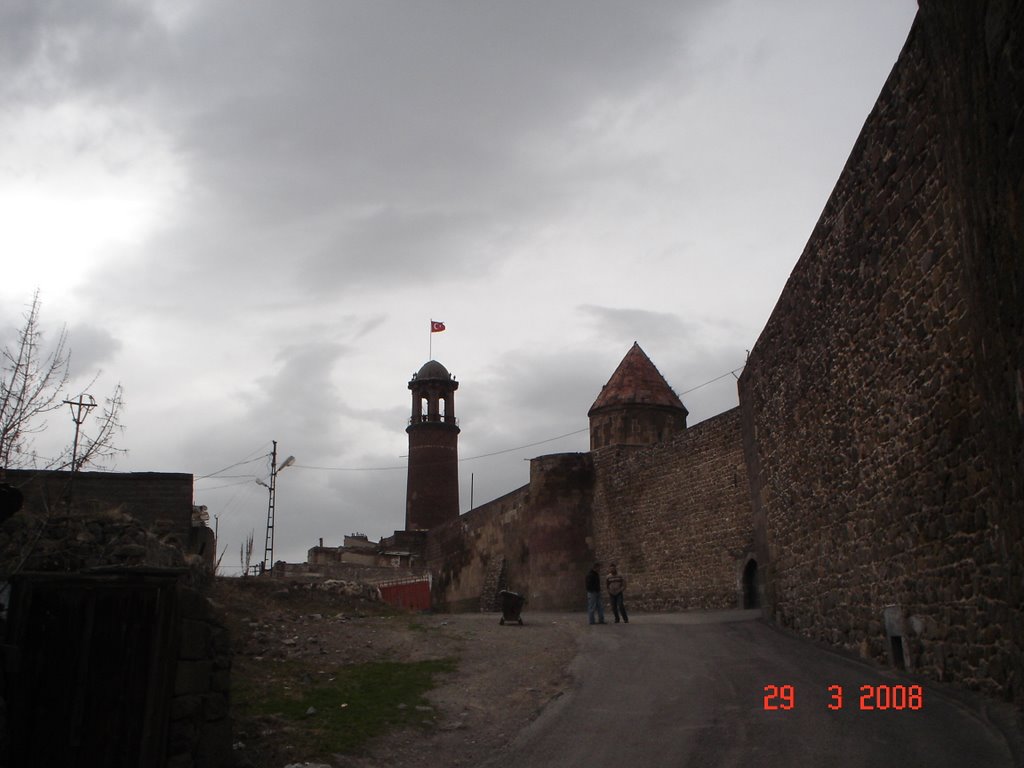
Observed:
{"x":466,"y":458}
{"x":712,"y":381}
{"x":348,"y":469}
{"x":528,"y":445}
{"x":233,"y":502}
{"x":247,"y":481}
{"x":249,"y":476}
{"x":482,"y":455}
{"x":246,"y":460}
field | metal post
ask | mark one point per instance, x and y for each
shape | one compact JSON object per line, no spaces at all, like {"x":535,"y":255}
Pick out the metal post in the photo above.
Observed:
{"x":268,"y":550}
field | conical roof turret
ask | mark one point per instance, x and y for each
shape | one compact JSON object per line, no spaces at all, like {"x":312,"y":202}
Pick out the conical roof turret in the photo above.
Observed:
{"x":636,"y":382}
{"x":636,"y":406}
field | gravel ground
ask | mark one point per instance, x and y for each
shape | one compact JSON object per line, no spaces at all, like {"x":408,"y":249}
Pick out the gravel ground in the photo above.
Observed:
{"x":504,"y":677}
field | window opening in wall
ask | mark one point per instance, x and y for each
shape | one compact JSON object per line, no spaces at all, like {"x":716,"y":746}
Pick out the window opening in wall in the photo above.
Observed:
{"x":897,"y":652}
{"x":750,"y":597}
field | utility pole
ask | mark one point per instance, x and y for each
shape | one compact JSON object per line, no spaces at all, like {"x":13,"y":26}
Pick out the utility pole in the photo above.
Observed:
{"x":268,"y":549}
{"x":79,"y":410}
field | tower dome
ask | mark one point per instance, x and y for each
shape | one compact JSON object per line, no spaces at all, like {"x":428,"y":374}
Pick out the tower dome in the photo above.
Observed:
{"x":431,"y":370}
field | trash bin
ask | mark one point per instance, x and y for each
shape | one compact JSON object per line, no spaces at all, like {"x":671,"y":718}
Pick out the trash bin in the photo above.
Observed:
{"x":511,"y":606}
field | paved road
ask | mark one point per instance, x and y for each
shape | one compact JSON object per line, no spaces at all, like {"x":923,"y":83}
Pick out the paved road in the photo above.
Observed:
{"x":688,"y":690}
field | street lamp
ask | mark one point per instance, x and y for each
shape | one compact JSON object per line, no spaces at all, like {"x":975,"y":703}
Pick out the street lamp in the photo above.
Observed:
{"x":268,"y":550}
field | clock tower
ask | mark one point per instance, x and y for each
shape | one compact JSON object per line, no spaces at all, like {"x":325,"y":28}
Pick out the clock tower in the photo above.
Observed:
{"x":432,"y":493}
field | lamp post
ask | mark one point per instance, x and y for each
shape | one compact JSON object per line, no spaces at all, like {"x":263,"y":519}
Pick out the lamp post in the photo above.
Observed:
{"x":268,"y":549}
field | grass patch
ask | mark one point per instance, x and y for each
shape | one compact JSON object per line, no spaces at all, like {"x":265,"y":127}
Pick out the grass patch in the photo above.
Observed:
{"x":353,"y":703}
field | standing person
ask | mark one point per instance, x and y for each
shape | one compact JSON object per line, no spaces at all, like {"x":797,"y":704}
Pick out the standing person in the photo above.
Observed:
{"x":594,"y":594}
{"x":616,"y":583}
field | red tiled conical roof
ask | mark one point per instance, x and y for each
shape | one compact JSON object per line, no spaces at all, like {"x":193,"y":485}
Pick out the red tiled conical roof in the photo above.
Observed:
{"x":637,"y":382}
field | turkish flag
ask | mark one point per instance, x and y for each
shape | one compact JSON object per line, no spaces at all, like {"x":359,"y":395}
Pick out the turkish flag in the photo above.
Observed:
{"x":436,"y":327}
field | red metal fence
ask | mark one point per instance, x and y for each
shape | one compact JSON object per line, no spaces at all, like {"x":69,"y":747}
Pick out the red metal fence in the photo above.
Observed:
{"x":407,"y":593}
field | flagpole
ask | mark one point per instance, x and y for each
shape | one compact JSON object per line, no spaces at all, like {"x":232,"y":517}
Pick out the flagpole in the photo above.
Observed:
{"x":436,"y":326}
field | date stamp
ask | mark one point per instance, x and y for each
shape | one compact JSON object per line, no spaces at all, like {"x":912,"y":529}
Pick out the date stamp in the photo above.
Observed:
{"x":872,"y":697}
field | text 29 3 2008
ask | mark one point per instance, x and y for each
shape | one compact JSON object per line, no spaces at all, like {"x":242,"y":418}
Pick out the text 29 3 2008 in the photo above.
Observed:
{"x":871,"y":697}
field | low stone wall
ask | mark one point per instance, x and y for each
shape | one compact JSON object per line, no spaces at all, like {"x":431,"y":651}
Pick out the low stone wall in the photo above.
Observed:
{"x":200,"y":728}
{"x":118,"y":587}
{"x":129,"y":664}
{"x":161,"y":501}
{"x":370,"y":575}
{"x":71,"y":543}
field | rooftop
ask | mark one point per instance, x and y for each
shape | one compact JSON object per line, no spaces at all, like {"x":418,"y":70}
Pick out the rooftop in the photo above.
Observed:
{"x":637,"y":382}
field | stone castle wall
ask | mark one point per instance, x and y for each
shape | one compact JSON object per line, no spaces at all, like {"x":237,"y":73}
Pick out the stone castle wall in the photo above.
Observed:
{"x":873,"y":471}
{"x":675,"y":516}
{"x":883,"y":402}
{"x":534,"y":541}
{"x":471,"y":551}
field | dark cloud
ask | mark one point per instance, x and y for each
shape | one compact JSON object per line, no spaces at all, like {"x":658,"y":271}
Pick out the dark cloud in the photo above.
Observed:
{"x":329,"y":132}
{"x":88,"y":347}
{"x":530,"y":395}
{"x":625,"y":325}
{"x":337,"y":167}
{"x":91,"y":348}
{"x":298,"y":395}
{"x":390,"y":246}
{"x":94,"y":49}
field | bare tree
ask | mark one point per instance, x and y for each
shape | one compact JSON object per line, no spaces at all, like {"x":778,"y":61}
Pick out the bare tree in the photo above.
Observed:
{"x":30,"y":387}
{"x":245,"y":552}
{"x":31,"y":384}
{"x":216,"y":567}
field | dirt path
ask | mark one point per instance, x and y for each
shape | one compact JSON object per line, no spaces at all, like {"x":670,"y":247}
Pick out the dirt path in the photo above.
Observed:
{"x":504,"y":677}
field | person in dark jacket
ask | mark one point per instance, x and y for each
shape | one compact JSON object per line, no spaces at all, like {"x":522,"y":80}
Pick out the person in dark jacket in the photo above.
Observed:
{"x":616,"y":583}
{"x":594,"y":594}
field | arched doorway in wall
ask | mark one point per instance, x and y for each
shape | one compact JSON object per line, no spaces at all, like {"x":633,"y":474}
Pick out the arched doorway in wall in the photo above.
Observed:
{"x":751,"y":598}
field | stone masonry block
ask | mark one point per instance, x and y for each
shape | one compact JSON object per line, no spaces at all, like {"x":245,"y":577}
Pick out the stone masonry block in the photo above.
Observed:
{"x":193,"y":677}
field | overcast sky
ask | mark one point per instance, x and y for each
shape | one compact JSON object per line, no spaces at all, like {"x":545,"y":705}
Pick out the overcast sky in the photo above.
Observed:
{"x":247,"y":213}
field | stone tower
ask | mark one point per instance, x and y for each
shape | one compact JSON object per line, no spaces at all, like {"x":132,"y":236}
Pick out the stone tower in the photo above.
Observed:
{"x":636,"y":406}
{"x":432,"y":493}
